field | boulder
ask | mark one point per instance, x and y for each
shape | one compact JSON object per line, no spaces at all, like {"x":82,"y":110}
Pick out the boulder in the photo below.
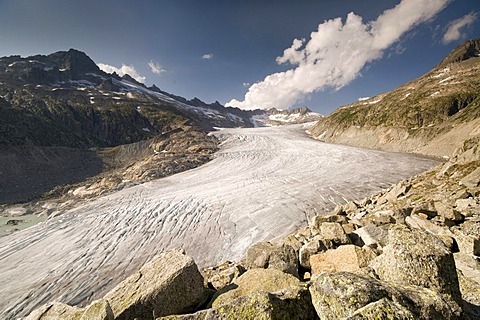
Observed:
{"x":170,"y":283}
{"x":314,"y":246}
{"x":98,"y":310}
{"x":472,"y":181}
{"x":269,"y":255}
{"x":468,"y":238}
{"x":345,"y":295}
{"x":333,"y":234}
{"x":256,"y":305}
{"x":370,"y":235}
{"x":273,"y":287}
{"x":384,"y":309}
{"x":414,"y":257}
{"x":380,"y":218}
{"x":56,"y":311}
{"x":222,"y":275}
{"x":316,"y":221}
{"x":344,"y":258}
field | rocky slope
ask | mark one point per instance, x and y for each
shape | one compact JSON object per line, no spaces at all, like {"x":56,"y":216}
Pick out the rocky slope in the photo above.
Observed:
{"x":409,"y":252}
{"x":432,"y":115}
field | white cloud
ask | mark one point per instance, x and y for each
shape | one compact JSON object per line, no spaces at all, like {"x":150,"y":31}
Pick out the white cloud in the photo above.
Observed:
{"x":454,"y":27}
{"x":246,"y":84}
{"x":207,"y":56}
{"x":335,"y":54}
{"x":125,"y":69}
{"x":156,"y":68}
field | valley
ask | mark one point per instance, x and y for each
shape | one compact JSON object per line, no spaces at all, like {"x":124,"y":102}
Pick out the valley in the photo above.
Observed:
{"x":262,"y":184}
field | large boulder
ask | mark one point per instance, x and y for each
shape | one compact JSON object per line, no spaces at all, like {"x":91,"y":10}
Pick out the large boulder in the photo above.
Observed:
{"x":370,"y":235}
{"x":345,"y":295}
{"x":333,"y":234}
{"x":343,"y":258}
{"x":414,"y":257}
{"x":169,"y":284}
{"x":253,"y":306}
{"x":271,"y":287}
{"x":269,"y":255}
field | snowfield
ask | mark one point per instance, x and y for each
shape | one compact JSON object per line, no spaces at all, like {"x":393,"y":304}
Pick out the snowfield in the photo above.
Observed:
{"x":263,"y":184}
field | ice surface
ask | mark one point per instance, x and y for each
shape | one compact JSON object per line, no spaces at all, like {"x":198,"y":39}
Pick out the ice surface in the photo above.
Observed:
{"x":262,"y":185}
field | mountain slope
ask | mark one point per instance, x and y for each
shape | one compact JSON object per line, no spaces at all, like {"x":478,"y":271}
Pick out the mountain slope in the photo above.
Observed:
{"x":432,"y":115}
{"x":60,"y":117}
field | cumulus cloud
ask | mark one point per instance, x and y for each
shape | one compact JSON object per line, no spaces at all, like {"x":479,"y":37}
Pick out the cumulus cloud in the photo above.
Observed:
{"x":246,"y":84}
{"x":335,"y":54}
{"x":156,"y":67}
{"x":207,"y":56}
{"x":125,"y":69}
{"x":454,"y":28}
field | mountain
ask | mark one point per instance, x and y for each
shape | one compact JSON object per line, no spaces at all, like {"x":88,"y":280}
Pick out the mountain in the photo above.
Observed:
{"x":275,"y":117}
{"x":431,"y":115}
{"x":64,"y":121}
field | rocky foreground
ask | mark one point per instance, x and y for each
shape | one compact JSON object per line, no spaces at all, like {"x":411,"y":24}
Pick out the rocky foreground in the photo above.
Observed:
{"x":409,"y":252}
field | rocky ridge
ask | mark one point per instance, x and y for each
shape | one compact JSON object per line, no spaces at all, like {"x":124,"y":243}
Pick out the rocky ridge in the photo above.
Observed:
{"x":431,"y":115}
{"x":409,"y":252}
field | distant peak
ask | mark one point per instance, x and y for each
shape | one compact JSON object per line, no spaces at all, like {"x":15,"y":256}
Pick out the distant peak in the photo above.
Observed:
{"x":74,"y":61}
{"x":465,"y":51}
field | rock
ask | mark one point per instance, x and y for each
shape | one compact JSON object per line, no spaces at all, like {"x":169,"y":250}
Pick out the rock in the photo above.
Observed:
{"x":170,"y":283}
{"x":332,"y":232}
{"x":316,"y":221}
{"x":400,"y":189}
{"x":344,"y":258}
{"x":427,"y":209}
{"x":342,"y":295}
{"x":14,"y":222}
{"x":384,"y":309}
{"x":449,"y":215}
{"x":413,"y":257}
{"x":223,"y":275}
{"x":380,"y":218}
{"x":98,"y":310}
{"x":472,"y":181}
{"x":351,"y":207}
{"x":256,"y":305}
{"x":314,"y":246}
{"x":468,"y":240}
{"x":269,"y":255}
{"x":271,"y":281}
{"x":55,"y":310}
{"x":416,"y":222}
{"x":465,"y":204}
{"x":370,"y":235}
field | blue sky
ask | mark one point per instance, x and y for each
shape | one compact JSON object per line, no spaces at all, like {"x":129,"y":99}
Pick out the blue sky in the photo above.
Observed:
{"x":216,"y":50}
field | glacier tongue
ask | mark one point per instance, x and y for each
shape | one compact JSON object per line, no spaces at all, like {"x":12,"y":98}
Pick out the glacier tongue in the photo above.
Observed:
{"x":263,"y":184}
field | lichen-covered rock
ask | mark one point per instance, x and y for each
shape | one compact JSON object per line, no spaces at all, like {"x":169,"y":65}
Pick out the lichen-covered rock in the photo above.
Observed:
{"x":98,"y":310}
{"x":268,"y":255}
{"x":56,"y":311}
{"x":413,"y":257}
{"x":341,"y":295}
{"x":344,"y":258}
{"x":384,"y":309}
{"x":312,"y":247}
{"x":169,"y":284}
{"x":256,"y":306}
{"x":264,"y":280}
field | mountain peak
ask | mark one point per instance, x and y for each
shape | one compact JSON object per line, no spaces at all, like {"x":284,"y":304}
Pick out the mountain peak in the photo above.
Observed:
{"x":467,"y":50}
{"x":74,"y":61}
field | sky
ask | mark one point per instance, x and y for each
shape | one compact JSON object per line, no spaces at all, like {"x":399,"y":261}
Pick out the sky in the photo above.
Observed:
{"x":249,"y":53}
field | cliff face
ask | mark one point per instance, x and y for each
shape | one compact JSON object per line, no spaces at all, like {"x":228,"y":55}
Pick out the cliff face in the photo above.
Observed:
{"x":431,"y":115}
